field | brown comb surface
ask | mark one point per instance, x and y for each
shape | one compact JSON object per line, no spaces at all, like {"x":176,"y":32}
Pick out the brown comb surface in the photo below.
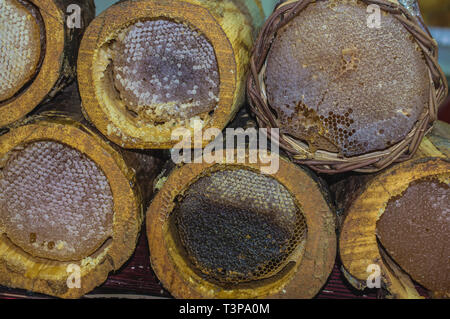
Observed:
{"x":165,"y":70}
{"x":54,"y":201}
{"x":20,"y":45}
{"x":415,"y":231}
{"x":238,"y":226}
{"x":342,"y":86}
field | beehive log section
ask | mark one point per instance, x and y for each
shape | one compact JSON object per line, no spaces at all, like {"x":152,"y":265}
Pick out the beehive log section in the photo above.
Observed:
{"x":69,"y":201}
{"x":20,"y":40}
{"x":398,"y":220}
{"x":229,"y":231}
{"x":56,"y":203}
{"x":147,"y":68}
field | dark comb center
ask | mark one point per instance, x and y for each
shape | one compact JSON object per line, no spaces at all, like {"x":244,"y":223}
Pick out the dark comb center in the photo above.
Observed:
{"x":238,"y":226}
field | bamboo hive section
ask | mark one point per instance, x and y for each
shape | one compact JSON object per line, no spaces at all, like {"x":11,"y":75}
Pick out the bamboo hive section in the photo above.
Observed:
{"x":38,"y":52}
{"x":346,"y":94}
{"x":229,"y":231}
{"x":68,"y":201}
{"x":399,"y":221}
{"x":149,"y":67}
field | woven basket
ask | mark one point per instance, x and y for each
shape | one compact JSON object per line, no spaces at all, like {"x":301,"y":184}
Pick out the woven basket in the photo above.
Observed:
{"x":329,"y":162}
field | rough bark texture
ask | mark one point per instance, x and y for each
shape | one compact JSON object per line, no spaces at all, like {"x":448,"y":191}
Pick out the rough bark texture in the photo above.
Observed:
{"x":302,"y":277}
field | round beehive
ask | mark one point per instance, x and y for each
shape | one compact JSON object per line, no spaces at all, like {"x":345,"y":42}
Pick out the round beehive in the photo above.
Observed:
{"x":398,"y":220}
{"x":148,"y":68}
{"x":67,"y":200}
{"x":229,"y":231}
{"x":357,"y":97}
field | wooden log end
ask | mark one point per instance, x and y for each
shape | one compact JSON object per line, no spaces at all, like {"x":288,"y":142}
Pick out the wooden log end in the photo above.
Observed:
{"x":180,"y":245}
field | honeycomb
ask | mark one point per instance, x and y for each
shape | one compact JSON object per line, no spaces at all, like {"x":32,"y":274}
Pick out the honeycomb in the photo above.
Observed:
{"x":164,"y":70}
{"x":415,"y":230}
{"x":55,"y":202}
{"x":342,"y":86}
{"x":20,"y":46}
{"x":238,"y":226}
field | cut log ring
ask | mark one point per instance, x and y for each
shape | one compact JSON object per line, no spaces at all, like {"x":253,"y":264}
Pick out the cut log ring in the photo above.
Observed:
{"x":57,"y":67}
{"x":226,"y":25}
{"x":20,"y":269}
{"x":364,"y":200}
{"x":303,"y":274}
{"x":333,"y":161}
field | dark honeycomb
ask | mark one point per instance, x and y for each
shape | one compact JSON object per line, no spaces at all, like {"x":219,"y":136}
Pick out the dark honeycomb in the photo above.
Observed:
{"x":165,"y":70}
{"x":239,"y":226}
{"x":344,"y":87}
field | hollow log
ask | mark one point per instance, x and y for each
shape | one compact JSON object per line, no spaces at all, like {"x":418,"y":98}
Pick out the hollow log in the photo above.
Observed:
{"x":397,"y":219}
{"x":39,"y":51}
{"x":71,"y":204}
{"x":226,"y":230}
{"x":193,"y":77}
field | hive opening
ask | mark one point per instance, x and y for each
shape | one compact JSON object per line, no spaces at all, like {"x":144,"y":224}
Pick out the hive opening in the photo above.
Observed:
{"x":159,"y":73}
{"x":344,"y":87}
{"x":236,"y":228}
{"x":22,"y":46}
{"x":414,"y":230}
{"x":55,"y":202}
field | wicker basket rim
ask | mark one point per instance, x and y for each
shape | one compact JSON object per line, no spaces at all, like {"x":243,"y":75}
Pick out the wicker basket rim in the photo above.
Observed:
{"x":329,"y":162}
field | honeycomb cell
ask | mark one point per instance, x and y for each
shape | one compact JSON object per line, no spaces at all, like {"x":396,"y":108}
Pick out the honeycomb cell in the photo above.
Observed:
{"x":20,"y":45}
{"x":238,"y":226}
{"x":346,"y":75}
{"x":165,"y":70}
{"x":415,"y":231}
{"x":55,"y":202}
